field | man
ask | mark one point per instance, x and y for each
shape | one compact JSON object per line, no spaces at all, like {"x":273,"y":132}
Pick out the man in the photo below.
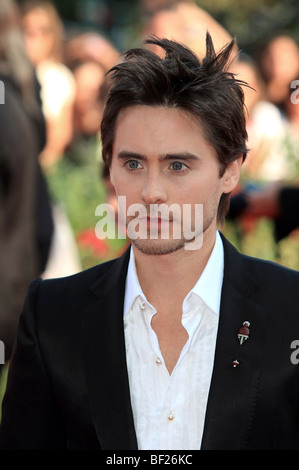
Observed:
{"x":165,"y":347}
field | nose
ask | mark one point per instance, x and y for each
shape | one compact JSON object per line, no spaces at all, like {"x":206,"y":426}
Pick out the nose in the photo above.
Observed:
{"x":153,"y":191}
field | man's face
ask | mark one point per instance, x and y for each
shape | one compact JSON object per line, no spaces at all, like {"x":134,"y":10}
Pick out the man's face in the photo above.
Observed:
{"x":161,"y":157}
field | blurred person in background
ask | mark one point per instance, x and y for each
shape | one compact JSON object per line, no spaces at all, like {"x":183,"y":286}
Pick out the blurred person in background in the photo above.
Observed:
{"x":26,"y":224}
{"x":265,"y":126}
{"x":90,"y":46}
{"x":89,"y":56}
{"x":279,"y":65}
{"x":183,"y":21}
{"x":43,"y":32}
{"x":89,"y":77}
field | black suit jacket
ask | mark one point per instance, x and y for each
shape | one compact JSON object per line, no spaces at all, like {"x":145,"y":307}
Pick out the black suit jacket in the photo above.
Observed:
{"x":68,"y":385}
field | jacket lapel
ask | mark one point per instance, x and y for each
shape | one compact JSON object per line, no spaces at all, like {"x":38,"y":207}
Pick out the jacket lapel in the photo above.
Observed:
{"x":105,"y":360}
{"x":233,"y":390}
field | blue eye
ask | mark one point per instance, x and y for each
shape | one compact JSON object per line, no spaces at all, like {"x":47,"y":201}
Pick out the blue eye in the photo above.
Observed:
{"x":177,"y":166}
{"x":133,"y":164}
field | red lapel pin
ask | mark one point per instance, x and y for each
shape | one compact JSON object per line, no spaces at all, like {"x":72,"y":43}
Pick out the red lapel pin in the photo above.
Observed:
{"x":243,"y":333}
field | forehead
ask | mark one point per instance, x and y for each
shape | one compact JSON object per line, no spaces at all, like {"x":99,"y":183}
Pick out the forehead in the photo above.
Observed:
{"x":151,"y":130}
{"x":37,"y":17}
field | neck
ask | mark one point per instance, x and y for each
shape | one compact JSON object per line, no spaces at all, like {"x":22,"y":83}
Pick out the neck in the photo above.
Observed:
{"x":173,"y":275}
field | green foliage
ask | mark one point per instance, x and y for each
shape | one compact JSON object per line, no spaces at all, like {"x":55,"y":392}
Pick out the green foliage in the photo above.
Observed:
{"x":76,"y":183}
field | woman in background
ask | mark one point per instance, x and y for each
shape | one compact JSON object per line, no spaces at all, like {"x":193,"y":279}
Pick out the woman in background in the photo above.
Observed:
{"x":43,"y":33}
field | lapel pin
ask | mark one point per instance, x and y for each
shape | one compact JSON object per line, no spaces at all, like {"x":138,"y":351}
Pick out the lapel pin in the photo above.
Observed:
{"x":236,"y":363}
{"x":243,"y":333}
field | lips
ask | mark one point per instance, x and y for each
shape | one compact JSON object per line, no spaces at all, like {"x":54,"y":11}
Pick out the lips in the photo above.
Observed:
{"x":156,"y":220}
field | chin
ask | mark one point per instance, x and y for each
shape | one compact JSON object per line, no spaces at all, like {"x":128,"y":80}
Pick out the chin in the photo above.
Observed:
{"x":158,"y":247}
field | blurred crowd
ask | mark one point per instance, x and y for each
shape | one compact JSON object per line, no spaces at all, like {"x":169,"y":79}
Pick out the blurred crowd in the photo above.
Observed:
{"x":55,"y":89}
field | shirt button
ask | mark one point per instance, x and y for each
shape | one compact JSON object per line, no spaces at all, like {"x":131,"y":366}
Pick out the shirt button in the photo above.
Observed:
{"x":158,"y":361}
{"x":170,"y":417}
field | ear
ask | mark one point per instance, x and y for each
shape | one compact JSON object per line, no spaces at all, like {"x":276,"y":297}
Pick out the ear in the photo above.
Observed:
{"x":232,"y":175}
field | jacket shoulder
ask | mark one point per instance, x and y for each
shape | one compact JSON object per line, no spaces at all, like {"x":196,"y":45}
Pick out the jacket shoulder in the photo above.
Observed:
{"x":278,"y":289}
{"x":268,"y":269}
{"x":269,"y":281}
{"x":80,"y":280}
{"x":261,"y":269}
{"x":65,"y":296}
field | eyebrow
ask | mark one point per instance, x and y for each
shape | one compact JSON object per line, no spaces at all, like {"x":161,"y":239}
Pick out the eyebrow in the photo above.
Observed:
{"x":187,"y":156}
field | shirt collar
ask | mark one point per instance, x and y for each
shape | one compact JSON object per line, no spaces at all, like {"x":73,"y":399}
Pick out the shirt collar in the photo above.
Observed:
{"x":208,"y":286}
{"x":133,"y":288}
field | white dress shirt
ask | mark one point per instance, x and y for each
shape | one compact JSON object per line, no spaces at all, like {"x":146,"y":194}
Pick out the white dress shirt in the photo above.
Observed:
{"x":169,"y":410}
